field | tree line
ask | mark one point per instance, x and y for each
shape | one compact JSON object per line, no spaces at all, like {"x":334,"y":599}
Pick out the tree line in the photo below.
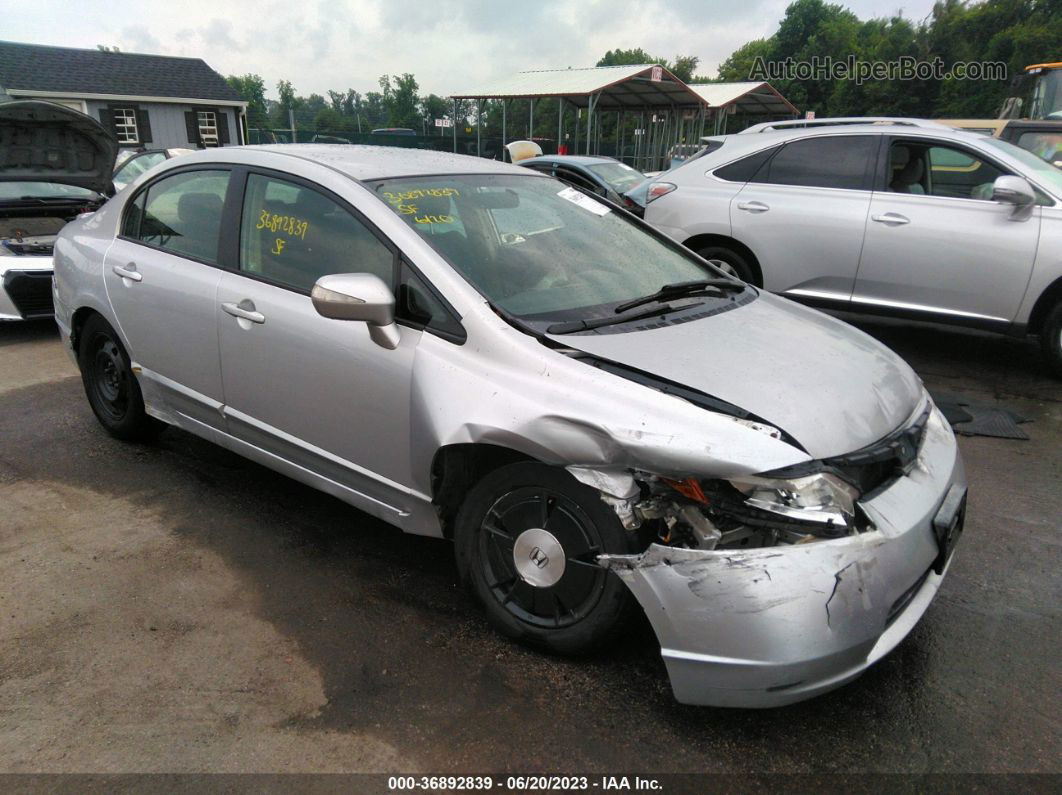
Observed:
{"x":396,"y":104}
{"x":1014,"y":32}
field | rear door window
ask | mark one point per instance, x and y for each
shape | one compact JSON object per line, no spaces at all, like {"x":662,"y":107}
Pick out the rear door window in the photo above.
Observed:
{"x":182,"y":213}
{"x":834,"y":161}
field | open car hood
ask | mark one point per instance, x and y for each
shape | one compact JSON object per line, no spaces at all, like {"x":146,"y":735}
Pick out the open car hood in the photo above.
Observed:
{"x":45,"y":142}
{"x":828,"y":385}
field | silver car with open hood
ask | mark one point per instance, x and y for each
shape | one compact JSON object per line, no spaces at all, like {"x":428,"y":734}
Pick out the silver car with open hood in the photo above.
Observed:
{"x":54,"y":164}
{"x":597,"y":417}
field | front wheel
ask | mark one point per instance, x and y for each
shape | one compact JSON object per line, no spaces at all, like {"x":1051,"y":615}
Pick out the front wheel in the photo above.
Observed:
{"x":527,"y":538}
{"x":1051,"y":339}
{"x":111,"y":388}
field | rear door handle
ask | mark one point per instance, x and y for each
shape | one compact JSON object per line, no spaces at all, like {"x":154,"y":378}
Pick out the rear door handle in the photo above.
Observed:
{"x":753,"y":207}
{"x":891,"y":219}
{"x":128,"y":272}
{"x":244,"y":310}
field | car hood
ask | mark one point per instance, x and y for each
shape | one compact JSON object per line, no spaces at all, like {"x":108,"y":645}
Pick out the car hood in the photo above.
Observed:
{"x":45,"y":142}
{"x":828,"y":385}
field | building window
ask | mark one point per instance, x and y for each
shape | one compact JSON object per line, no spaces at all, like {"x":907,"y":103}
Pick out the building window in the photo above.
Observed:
{"x":208,"y":127}
{"x":125,"y":126}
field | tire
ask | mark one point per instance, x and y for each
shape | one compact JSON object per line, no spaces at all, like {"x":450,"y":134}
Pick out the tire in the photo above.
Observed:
{"x":728,"y":260}
{"x":110,"y":386}
{"x":545,"y":593}
{"x":1051,"y":339}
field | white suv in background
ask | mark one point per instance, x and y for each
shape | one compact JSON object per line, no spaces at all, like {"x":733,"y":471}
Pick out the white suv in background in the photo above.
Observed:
{"x":900,"y":217}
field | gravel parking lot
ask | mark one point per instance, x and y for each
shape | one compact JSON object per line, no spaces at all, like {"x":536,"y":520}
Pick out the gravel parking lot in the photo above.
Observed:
{"x":177,"y":608}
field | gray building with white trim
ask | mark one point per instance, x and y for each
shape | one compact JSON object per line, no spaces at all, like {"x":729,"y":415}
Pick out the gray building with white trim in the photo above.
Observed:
{"x":148,"y":101}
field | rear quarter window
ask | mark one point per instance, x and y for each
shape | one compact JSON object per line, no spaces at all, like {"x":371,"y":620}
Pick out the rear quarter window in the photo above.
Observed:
{"x":747,"y":168}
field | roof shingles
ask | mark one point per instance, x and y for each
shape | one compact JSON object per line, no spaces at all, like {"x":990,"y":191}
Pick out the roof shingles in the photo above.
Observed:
{"x":35,"y":67}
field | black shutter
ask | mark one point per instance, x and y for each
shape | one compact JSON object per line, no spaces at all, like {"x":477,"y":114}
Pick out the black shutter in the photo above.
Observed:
{"x":107,"y":119}
{"x":191,"y":122}
{"x":143,"y":126}
{"x":223,"y":126}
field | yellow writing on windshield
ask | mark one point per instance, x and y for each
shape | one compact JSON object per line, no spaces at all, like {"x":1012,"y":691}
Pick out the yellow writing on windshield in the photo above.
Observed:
{"x":434,"y":219}
{"x":419,"y":193}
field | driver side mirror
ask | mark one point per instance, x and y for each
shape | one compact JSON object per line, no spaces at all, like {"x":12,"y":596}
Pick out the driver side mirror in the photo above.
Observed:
{"x":1015,"y":191}
{"x":359,"y":296}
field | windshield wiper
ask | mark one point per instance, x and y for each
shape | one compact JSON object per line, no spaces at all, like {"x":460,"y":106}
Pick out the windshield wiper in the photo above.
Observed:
{"x":683,"y":290}
{"x":572,"y":326}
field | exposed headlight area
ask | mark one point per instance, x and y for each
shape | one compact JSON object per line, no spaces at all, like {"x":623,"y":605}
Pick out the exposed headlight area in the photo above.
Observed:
{"x":751,"y":512}
{"x":812,"y":501}
{"x":821,"y":499}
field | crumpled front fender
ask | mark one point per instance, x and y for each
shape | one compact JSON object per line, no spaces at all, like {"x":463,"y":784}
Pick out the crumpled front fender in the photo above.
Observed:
{"x":774,"y":625}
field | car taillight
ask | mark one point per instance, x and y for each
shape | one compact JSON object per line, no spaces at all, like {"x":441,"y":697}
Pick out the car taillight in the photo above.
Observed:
{"x":658,"y":189}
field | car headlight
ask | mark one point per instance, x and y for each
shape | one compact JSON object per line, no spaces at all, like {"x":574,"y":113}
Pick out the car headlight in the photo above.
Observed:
{"x":821,"y":497}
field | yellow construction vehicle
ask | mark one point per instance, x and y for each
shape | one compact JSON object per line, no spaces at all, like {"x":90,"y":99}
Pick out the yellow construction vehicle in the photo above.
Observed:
{"x":1031,"y":117}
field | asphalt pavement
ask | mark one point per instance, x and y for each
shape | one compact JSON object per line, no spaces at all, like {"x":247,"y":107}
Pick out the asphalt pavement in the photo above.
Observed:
{"x":173,"y":607}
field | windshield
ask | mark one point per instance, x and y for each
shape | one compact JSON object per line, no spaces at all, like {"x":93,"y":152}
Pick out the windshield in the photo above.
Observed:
{"x":1040,"y":170}
{"x":536,"y":248}
{"x":13,"y":191}
{"x":619,"y":176}
{"x":1047,"y":95}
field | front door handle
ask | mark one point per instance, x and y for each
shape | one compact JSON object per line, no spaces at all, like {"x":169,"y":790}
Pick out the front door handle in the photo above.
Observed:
{"x":891,"y":219}
{"x":244,"y":310}
{"x":128,"y":272}
{"x":753,"y":207}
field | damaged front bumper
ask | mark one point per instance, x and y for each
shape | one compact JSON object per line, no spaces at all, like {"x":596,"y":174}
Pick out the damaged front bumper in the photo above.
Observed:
{"x":771,"y":626}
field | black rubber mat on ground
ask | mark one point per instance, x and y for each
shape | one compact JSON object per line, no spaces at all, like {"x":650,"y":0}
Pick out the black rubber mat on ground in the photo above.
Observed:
{"x":973,"y":419}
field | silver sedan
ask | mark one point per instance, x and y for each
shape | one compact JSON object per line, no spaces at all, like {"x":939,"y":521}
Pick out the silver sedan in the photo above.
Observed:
{"x":596,"y":416}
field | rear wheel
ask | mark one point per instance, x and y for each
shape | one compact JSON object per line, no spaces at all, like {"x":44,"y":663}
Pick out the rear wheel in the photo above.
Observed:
{"x":1051,"y":339}
{"x":729,"y":261}
{"x":111,"y":388}
{"x":526,"y":539}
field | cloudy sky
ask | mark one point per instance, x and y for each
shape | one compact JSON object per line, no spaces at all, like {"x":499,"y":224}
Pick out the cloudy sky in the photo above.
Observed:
{"x":450,"y":45}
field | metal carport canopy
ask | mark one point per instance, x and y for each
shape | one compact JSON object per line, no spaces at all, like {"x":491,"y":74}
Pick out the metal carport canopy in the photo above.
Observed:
{"x":615,"y":87}
{"x":754,"y":98}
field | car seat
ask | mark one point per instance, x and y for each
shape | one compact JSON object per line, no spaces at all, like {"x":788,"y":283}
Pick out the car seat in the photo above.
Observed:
{"x":907,"y":171}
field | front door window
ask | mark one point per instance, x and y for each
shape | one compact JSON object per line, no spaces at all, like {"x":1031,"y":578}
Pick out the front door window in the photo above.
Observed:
{"x":938,"y":170}
{"x":293,"y":235}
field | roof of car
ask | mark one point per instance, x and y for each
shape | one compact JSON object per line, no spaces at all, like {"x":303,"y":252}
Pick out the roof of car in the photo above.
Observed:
{"x":738,"y":144}
{"x":376,"y":162}
{"x":849,"y":129}
{"x":578,"y":160}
